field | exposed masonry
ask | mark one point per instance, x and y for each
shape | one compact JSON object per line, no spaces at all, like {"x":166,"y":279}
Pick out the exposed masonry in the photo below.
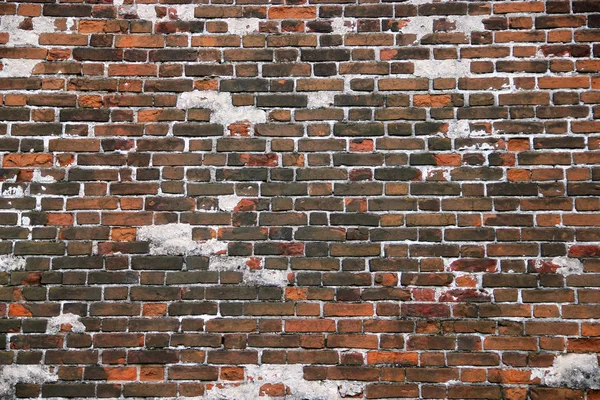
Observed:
{"x":326,"y":200}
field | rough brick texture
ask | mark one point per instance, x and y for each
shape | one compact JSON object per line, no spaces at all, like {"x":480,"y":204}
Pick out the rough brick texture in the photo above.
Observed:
{"x":312,"y":199}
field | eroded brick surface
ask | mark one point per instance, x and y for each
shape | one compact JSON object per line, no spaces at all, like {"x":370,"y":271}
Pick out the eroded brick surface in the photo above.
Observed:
{"x":300,"y":199}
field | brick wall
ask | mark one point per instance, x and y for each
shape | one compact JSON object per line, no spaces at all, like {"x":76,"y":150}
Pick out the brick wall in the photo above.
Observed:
{"x":315,"y":199}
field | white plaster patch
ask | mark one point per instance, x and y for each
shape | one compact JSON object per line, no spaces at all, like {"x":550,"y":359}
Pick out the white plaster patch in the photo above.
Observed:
{"x":462,"y":129}
{"x":228,"y":203}
{"x":347,"y":389}
{"x":176,"y":239}
{"x":446,"y":174}
{"x":10,"y":263}
{"x":242,"y":26}
{"x":421,"y":26}
{"x":15,"y":191}
{"x":458,"y":129}
{"x":442,"y":68}
{"x":469,"y":24}
{"x":430,"y":1}
{"x":54,"y":324}
{"x":568,"y":266}
{"x":12,"y":68}
{"x":185,"y":12}
{"x":575,"y":371}
{"x":127,"y":9}
{"x":478,"y":146}
{"x":71,"y":22}
{"x":263,"y":277}
{"x":21,"y":37}
{"x":10,"y":375}
{"x":290,"y":375}
{"x":321,"y":99}
{"x":341,"y":26}
{"x":144,"y":11}
{"x":37,"y":177}
{"x":223,"y":111}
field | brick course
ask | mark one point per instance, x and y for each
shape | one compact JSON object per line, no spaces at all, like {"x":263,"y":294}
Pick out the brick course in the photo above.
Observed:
{"x":312,"y":199}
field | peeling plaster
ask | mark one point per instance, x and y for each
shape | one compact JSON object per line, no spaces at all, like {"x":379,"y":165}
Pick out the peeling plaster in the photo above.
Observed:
{"x":15,"y":191}
{"x":291,"y":376}
{"x":22,"y":37}
{"x":10,"y":375}
{"x":13,"y":68}
{"x":263,"y":277}
{"x":431,"y":1}
{"x":321,"y":99}
{"x":341,"y":26}
{"x":55,"y":323}
{"x":421,"y":26}
{"x":462,"y":129}
{"x":568,"y":266}
{"x":574,"y":371}
{"x":9,"y":263}
{"x":347,"y":389}
{"x":176,"y":239}
{"x":442,"y":68}
{"x":229,"y":203}
{"x":477,"y":146}
{"x":223,"y":111}
{"x":185,"y":12}
{"x":458,"y":129}
{"x":242,"y":26}
{"x":37,"y":177}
